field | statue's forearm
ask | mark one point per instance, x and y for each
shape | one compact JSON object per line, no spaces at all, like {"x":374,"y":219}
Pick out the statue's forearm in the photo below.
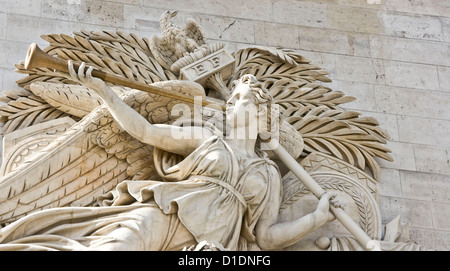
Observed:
{"x":127,"y":117}
{"x":285,"y":234}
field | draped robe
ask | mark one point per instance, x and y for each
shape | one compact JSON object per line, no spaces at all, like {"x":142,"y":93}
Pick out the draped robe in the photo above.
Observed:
{"x":212,"y":194}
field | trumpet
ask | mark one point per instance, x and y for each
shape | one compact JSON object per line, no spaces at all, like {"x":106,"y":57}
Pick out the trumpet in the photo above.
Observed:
{"x":36,"y":58}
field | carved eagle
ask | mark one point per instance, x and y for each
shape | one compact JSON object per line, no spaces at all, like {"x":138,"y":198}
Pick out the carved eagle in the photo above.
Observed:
{"x":175,"y":42}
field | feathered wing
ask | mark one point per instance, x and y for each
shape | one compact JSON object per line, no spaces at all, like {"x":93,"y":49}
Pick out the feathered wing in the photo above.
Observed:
{"x":312,"y":108}
{"x":85,"y":162}
{"x":194,"y":31}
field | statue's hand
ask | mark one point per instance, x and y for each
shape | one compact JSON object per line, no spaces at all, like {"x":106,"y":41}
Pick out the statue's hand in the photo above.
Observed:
{"x":322,"y":213}
{"x":86,"y":78}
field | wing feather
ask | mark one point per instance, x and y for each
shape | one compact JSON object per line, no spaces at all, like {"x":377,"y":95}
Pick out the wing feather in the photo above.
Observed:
{"x":88,"y":160}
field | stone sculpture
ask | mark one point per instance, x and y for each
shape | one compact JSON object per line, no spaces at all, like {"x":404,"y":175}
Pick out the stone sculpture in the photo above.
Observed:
{"x":114,"y":168}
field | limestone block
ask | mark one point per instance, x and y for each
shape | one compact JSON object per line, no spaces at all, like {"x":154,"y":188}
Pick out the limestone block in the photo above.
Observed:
{"x":11,"y":53}
{"x":3,"y":26}
{"x":411,"y":102}
{"x":374,"y":4}
{"x":364,"y":70}
{"x":403,"y":155}
{"x":364,"y":92}
{"x":300,"y":13}
{"x":133,"y":14}
{"x":432,"y":159}
{"x":441,"y":216}
{"x":390,"y":184}
{"x":94,"y":12}
{"x":446,"y":28}
{"x":424,"y":237}
{"x":444,"y":78}
{"x":410,"y":50}
{"x":425,"y":131}
{"x":9,"y":78}
{"x":276,"y":35}
{"x":411,"y":75}
{"x":24,"y":7}
{"x":27,"y":28}
{"x":334,"y":41}
{"x":425,"y":186}
{"x":412,"y":26}
{"x":442,"y":240}
{"x":224,"y":29}
{"x":418,"y":213}
{"x":430,"y":7}
{"x":232,"y":8}
{"x":355,"y":19}
{"x":127,"y":2}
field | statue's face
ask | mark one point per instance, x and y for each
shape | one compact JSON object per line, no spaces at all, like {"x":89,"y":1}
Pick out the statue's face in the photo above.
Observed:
{"x":241,"y":108}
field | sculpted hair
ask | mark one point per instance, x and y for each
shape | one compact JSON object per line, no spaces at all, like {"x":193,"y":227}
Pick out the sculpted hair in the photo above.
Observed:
{"x":260,"y":93}
{"x":264,"y":100}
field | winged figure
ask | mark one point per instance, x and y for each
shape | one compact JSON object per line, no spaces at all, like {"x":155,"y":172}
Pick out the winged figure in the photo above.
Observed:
{"x":96,"y":155}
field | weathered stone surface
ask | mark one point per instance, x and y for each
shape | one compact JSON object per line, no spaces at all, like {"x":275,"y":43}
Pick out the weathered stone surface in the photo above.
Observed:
{"x":424,"y":131}
{"x":355,"y":19}
{"x":390,"y":184}
{"x":425,"y":186}
{"x":430,"y":7}
{"x":276,"y":35}
{"x":418,"y":213}
{"x":403,"y":154}
{"x":25,"y":7}
{"x":300,"y":13}
{"x":95,"y":12}
{"x":444,"y":78}
{"x":416,"y":26}
{"x":441,"y":216}
{"x":404,"y":74}
{"x":364,"y":92}
{"x":412,"y":102}
{"x":416,"y":51}
{"x":432,"y":159}
{"x":359,"y":69}
{"x":334,"y":41}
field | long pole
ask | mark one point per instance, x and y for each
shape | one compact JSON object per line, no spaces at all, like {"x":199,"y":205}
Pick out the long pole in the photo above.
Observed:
{"x":361,"y":236}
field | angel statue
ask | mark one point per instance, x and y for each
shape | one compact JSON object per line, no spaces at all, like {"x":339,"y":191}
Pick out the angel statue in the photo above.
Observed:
{"x":225,"y":190}
{"x":89,"y":164}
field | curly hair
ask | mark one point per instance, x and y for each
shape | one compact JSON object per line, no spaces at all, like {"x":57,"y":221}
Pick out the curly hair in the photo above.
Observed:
{"x":264,"y":100}
{"x":261,"y":94}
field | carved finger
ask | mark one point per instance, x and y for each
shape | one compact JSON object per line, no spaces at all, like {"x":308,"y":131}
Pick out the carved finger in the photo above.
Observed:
{"x":72,"y":72}
{"x":89,"y":73}
{"x":81,"y":74}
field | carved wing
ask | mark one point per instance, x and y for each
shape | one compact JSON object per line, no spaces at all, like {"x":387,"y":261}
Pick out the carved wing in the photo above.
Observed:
{"x":95,"y":147}
{"x":194,"y":31}
{"x":88,"y":160}
{"x":312,"y":108}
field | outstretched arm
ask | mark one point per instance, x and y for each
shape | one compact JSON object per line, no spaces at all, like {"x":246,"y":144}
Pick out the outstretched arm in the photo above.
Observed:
{"x":160,"y":135}
{"x":272,"y":235}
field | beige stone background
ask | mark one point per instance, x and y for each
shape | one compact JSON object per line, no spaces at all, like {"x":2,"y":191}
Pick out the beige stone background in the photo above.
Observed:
{"x":393,"y":56}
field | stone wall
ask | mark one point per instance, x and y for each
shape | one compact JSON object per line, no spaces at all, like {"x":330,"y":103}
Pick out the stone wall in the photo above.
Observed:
{"x":393,"y":56}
